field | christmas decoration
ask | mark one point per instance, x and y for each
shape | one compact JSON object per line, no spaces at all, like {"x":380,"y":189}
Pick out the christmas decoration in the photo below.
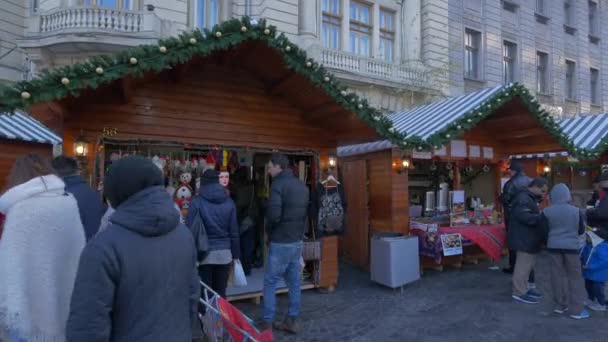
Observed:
{"x":162,"y":49}
{"x":133,"y":60}
{"x":308,"y":64}
{"x":192,"y":41}
{"x":244,"y":29}
{"x":99,"y":70}
{"x":218,"y":34}
{"x":65,"y":81}
{"x":183,"y":194}
{"x":25,"y":95}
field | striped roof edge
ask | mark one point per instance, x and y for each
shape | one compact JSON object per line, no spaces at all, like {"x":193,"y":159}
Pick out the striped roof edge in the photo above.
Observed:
{"x":21,"y":126}
{"x":426,"y":120}
{"x":588,"y":131}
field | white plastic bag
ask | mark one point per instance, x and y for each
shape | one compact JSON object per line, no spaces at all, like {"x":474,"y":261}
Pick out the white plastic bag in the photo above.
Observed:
{"x":239,"y":278}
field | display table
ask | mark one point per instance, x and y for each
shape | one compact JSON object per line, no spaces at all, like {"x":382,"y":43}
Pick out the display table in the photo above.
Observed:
{"x":490,"y":238}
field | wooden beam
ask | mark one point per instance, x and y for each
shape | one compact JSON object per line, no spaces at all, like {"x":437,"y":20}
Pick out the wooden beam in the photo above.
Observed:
{"x":531,"y":132}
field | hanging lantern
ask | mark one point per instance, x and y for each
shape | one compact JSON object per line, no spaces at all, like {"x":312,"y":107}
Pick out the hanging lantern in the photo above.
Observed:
{"x":81,"y":144}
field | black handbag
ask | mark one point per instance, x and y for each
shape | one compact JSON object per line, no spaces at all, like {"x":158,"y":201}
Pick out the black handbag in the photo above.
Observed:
{"x":200,"y":238}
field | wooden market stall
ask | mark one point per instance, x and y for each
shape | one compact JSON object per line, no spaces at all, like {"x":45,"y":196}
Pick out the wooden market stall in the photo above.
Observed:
{"x":21,"y":134}
{"x":230,"y":96}
{"x":463,"y":142}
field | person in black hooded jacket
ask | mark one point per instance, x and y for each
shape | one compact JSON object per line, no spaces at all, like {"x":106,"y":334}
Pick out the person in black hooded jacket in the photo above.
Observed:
{"x":137,"y":279}
{"x":218,"y":213}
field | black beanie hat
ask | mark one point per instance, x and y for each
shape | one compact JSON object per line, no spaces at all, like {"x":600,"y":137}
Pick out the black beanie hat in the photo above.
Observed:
{"x":210,"y":176}
{"x":129,"y":176}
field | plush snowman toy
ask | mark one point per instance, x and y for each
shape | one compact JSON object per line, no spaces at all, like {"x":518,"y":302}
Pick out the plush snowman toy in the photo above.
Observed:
{"x":183,"y":194}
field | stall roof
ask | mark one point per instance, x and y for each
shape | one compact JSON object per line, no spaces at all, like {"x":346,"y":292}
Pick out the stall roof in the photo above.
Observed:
{"x":588,"y":131}
{"x":21,"y":126}
{"x":435,"y":124}
{"x":233,"y":38}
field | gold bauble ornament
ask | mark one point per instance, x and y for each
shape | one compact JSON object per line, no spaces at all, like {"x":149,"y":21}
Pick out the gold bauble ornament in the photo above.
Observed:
{"x":266,"y":31}
{"x":218,"y":34}
{"x":162,"y":49}
{"x":25,"y":95}
{"x":326,"y":79}
{"x":133,"y":60}
{"x":244,"y":29}
{"x":99,"y":70}
{"x":65,"y":81}
{"x":192,"y":41}
{"x":288,"y":48}
{"x":308,"y":64}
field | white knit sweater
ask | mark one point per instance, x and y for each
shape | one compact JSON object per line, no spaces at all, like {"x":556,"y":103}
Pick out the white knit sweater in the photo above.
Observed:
{"x":39,"y":254}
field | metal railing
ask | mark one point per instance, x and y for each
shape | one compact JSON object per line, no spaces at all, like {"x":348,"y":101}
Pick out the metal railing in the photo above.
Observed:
{"x":94,"y":18}
{"x":349,"y":62}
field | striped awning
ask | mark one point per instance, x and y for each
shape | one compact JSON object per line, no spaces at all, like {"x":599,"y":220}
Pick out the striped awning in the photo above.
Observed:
{"x":352,"y":150}
{"x":21,"y":126}
{"x":586,"y":130}
{"x":424,"y":121}
{"x":540,"y":155}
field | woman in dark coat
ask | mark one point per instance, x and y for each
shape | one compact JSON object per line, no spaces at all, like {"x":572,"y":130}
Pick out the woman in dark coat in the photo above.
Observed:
{"x":218,"y":213}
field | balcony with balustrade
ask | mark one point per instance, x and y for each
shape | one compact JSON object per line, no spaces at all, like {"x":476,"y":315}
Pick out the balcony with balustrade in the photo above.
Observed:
{"x":355,"y":67}
{"x":91,"y":28}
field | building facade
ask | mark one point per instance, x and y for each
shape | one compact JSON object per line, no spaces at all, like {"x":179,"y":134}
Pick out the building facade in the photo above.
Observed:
{"x":554,"y":47}
{"x":383,"y":49}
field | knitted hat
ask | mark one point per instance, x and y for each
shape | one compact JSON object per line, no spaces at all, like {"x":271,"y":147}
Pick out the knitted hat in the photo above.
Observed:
{"x":210,"y":159}
{"x":516,"y":166}
{"x":210,"y":177}
{"x":129,"y":176}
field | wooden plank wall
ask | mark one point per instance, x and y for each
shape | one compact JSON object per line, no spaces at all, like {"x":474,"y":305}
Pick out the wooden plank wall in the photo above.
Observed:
{"x":400,"y":195}
{"x":211,"y":105}
{"x":10,"y":150}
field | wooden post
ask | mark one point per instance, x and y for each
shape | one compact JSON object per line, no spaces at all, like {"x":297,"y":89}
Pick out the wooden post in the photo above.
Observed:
{"x":457,"y":185}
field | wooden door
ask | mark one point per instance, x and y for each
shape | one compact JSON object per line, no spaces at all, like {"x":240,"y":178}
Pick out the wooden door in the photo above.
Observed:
{"x":354,"y":244}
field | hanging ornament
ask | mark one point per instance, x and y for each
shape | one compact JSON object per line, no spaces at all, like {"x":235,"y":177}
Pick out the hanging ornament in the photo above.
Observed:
{"x":419,"y":148}
{"x":326,"y":79}
{"x":582,"y":173}
{"x":25,"y":95}
{"x":479,"y":114}
{"x":360,"y":106}
{"x":308,"y":64}
{"x":468,"y":169}
{"x":469,"y":120}
{"x":458,"y":127}
{"x":192,"y":41}
{"x":392,"y":130}
{"x":162,"y":49}
{"x":486,"y":168}
{"x":266,"y":31}
{"x":65,"y":81}
{"x":243,"y":29}
{"x":449,"y":166}
{"x":433,"y":167}
{"x":99,"y":70}
{"x":133,"y":60}
{"x":343,"y":92}
{"x":288,"y":48}
{"x":448,"y":136}
{"x":218,"y":34}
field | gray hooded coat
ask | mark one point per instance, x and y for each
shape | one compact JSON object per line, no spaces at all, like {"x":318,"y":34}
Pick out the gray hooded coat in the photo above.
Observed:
{"x":563,"y":221}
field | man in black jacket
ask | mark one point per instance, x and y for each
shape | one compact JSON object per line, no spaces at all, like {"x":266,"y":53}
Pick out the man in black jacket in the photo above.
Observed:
{"x":526,"y":237}
{"x":89,"y":201}
{"x":286,"y":216}
{"x":137,"y":278}
{"x":598,"y":217}
{"x":518,"y":182}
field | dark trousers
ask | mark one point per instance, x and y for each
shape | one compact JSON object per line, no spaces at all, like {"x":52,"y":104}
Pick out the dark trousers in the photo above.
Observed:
{"x":247,"y":249}
{"x":216,"y":277}
{"x":513,"y":260}
{"x":595,"y":290}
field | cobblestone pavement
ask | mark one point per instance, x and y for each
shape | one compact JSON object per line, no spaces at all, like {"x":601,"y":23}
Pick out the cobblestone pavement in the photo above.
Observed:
{"x":470,"y":304}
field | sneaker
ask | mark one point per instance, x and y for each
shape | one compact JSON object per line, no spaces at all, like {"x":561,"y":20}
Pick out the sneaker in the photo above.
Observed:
{"x":534,"y":293}
{"x":597,"y":307}
{"x":526,"y":299}
{"x":290,"y":325}
{"x":560,"y":310}
{"x":582,"y":315}
{"x":266,"y":326}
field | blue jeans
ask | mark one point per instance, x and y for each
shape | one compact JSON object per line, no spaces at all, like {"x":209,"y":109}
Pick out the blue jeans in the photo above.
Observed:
{"x":595,"y":290}
{"x":283,"y":262}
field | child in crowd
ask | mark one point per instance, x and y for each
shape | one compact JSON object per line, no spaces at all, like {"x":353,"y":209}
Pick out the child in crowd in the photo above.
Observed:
{"x":595,"y":272}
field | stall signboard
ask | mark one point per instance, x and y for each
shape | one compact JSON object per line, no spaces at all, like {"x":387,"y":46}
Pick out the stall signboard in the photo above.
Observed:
{"x":458,"y":148}
{"x":422,"y":155}
{"x":452,"y":244}
{"x":488,"y":153}
{"x":474,"y":151}
{"x":442,"y":152}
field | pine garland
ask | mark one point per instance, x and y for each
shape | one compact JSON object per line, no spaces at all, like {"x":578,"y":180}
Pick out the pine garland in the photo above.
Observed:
{"x":70,"y":80}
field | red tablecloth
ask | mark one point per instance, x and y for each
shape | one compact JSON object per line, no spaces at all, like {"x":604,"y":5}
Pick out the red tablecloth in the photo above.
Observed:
{"x":490,"y":238}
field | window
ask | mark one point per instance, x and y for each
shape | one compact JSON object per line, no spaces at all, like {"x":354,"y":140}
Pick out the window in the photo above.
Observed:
{"x":35,"y":4}
{"x":360,"y":28}
{"x":472,"y":43}
{"x":542,"y":73}
{"x":593,"y":19}
{"x":540,"y":6}
{"x":509,"y":6}
{"x":509,"y":53}
{"x":570,"y":80}
{"x":206,"y":13}
{"x":332,"y":21}
{"x":387,"y":35}
{"x":568,"y":13}
{"x":120,"y":4}
{"x":595,"y":86}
